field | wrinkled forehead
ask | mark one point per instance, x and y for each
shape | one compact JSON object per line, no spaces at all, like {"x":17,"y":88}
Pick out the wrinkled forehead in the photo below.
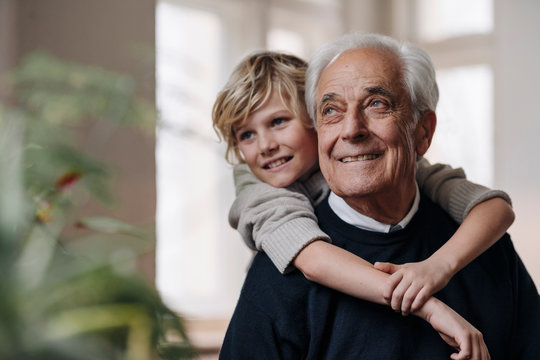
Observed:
{"x":358,"y":64}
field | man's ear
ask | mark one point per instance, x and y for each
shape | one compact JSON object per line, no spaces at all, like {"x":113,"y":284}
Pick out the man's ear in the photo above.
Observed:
{"x":424,"y":131}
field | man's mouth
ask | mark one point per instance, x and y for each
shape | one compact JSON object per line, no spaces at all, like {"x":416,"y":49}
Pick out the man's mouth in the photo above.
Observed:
{"x":359,"y":158}
{"x":277,"y":162}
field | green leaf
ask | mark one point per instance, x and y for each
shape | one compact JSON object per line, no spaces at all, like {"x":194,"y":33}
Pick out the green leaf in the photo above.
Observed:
{"x":175,"y":351}
{"x":109,"y":226}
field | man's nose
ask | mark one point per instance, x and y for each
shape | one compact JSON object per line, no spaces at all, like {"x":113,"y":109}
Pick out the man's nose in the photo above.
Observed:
{"x":355,"y":126}
{"x":267,"y":144}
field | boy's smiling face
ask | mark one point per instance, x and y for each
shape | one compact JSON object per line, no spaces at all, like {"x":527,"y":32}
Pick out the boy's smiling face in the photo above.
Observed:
{"x":276,"y":144}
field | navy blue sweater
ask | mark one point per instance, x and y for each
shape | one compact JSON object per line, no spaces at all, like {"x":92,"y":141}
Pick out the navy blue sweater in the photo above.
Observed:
{"x":289,"y":317}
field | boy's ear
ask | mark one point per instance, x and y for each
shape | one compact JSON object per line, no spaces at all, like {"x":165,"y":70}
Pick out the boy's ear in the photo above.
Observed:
{"x":424,"y":131}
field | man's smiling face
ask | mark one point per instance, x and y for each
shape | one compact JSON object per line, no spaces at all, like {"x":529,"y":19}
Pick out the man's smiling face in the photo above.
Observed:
{"x":364,"y":122}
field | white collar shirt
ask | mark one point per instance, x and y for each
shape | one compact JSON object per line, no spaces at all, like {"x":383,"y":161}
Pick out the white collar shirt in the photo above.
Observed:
{"x":353,"y":217}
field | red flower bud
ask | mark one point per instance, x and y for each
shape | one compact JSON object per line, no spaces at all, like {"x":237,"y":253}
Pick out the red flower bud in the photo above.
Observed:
{"x":68,"y":179}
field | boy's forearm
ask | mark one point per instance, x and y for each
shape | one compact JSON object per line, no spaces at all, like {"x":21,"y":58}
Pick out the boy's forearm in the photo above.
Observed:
{"x":341,"y":270}
{"x":484,"y":225}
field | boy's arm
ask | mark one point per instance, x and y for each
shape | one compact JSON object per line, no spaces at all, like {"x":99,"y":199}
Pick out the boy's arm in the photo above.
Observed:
{"x":343,"y":271}
{"x":488,"y":214}
{"x":278,"y":221}
{"x":451,"y":190}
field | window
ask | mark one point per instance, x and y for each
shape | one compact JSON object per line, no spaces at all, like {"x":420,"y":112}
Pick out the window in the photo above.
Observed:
{"x":457,"y":34}
{"x":200,"y":261}
{"x":464,"y":135}
{"x":194,"y":183}
{"x":444,"y":19}
{"x":286,"y":41}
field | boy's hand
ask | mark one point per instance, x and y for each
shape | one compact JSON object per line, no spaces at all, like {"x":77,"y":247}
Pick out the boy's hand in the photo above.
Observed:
{"x":455,"y":331}
{"x":411,"y":284}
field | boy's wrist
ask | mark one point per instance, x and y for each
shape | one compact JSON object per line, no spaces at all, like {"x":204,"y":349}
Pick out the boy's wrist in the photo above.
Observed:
{"x":448,"y":262}
{"x":428,"y":309}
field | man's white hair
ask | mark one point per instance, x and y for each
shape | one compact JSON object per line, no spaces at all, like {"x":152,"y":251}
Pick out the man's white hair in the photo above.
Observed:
{"x":418,"y":70}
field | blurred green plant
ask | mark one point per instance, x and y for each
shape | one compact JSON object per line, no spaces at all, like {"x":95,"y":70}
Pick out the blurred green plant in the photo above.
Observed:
{"x":82,"y":298}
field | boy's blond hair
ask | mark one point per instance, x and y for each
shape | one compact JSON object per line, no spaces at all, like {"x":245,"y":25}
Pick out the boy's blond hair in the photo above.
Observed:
{"x":250,"y":86}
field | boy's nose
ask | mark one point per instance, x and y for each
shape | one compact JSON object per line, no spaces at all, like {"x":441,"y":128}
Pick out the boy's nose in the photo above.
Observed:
{"x":267,"y":144}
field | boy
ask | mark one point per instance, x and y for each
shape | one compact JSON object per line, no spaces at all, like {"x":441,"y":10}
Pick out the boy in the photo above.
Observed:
{"x":261,"y":114}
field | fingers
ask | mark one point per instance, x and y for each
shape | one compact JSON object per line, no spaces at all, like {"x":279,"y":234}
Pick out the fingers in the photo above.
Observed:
{"x":420,"y":299}
{"x":465,"y":348}
{"x":483,"y":350}
{"x":391,"y":282}
{"x":386,"y":267}
{"x":408,"y":288}
{"x":479,"y":350}
{"x":472,"y":348}
{"x":410,"y":296}
{"x":399,"y":292}
{"x":389,"y":289}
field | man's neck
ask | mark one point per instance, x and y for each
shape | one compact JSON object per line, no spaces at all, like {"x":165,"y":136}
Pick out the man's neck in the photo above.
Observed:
{"x":385,"y":208}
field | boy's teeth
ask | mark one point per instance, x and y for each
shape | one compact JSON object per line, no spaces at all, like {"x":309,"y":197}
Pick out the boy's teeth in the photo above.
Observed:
{"x":359,"y":158}
{"x":276,"y":163}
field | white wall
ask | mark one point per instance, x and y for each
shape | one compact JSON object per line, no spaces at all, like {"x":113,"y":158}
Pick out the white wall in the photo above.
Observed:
{"x":517,"y":120}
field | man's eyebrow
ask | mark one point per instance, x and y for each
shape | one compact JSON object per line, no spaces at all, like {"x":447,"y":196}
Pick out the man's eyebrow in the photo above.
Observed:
{"x":327,"y":97}
{"x":380,"y":91}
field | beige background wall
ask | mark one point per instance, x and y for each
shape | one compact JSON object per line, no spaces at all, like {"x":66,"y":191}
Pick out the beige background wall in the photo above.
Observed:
{"x":8,"y":38}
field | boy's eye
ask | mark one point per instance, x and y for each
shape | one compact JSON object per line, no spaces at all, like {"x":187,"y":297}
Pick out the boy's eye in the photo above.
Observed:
{"x":278,"y":121}
{"x":246,"y":135}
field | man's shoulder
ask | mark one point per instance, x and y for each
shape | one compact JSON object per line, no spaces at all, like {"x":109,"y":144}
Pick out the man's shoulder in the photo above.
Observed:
{"x":431,"y":217}
{"x":267,"y":288}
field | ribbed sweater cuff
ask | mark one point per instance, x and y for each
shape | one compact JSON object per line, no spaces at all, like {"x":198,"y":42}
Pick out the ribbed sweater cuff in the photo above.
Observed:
{"x":285,"y":242}
{"x":460,"y":203}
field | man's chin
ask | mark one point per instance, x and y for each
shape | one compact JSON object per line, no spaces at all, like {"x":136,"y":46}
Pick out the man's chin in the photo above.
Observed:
{"x":358,"y":191}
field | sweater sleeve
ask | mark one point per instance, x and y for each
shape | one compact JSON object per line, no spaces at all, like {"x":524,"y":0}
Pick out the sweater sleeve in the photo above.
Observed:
{"x":449,"y":188}
{"x":278,"y":221}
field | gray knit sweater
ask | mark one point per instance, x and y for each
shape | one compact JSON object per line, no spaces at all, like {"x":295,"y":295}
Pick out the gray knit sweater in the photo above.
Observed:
{"x":281,"y":221}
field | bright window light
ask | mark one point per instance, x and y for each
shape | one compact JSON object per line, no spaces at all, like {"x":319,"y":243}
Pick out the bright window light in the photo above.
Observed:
{"x":442,"y":19}
{"x":199,"y":264}
{"x":464,"y":135}
{"x":286,"y":41}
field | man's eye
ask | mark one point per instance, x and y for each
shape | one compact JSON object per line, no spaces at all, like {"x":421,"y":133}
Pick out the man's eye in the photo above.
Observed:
{"x":377,"y":103}
{"x":329,"y":111}
{"x":246,"y":135}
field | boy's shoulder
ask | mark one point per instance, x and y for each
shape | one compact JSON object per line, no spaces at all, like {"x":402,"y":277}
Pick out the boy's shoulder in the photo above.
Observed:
{"x":315,"y":186}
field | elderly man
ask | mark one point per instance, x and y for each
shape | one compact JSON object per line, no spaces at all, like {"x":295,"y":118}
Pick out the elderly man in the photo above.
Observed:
{"x":373,"y":100}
